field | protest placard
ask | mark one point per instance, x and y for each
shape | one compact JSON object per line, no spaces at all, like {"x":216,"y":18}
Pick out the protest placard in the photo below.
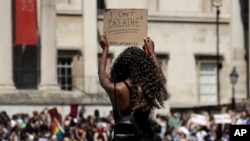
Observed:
{"x":198,"y":119}
{"x":55,"y":114}
{"x":125,"y":27}
{"x":73,"y":110}
{"x":222,"y":118}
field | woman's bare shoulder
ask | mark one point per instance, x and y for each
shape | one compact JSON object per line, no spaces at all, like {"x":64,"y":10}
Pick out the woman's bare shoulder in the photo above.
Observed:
{"x":121,"y":89}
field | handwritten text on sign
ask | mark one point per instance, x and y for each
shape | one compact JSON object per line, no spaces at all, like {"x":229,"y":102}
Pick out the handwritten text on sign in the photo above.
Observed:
{"x":125,"y":27}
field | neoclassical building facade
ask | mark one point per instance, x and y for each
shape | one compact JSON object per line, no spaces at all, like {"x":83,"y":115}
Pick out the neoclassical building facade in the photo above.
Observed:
{"x":62,"y":68}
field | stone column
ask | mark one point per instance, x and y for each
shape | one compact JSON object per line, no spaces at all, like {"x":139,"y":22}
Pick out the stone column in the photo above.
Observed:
{"x":6,"y":59}
{"x":48,"y":46}
{"x":90,"y":45}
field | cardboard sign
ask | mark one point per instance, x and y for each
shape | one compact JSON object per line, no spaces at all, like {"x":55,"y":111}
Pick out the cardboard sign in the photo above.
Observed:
{"x":125,"y":27}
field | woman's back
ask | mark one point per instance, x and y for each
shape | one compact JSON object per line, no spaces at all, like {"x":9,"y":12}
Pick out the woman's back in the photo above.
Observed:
{"x":141,"y":117}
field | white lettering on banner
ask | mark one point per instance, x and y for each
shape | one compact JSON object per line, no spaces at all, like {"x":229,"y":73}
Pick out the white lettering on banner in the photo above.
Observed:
{"x":28,"y":5}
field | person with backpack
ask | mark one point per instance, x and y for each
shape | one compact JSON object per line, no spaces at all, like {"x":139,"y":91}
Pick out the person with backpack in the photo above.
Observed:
{"x":136,"y":86}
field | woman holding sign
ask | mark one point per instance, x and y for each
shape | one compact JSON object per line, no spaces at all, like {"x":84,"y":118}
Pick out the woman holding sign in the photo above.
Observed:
{"x":136,"y":83}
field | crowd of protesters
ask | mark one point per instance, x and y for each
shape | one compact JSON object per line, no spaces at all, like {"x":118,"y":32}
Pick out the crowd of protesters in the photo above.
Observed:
{"x":173,"y":127}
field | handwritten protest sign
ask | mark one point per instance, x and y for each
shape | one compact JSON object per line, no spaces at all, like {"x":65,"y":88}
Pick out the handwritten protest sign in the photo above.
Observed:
{"x":222,"y":118}
{"x":125,"y":27}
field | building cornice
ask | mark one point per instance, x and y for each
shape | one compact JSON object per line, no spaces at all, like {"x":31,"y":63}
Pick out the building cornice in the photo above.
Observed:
{"x":69,"y":12}
{"x":165,"y":16}
{"x":56,"y":97}
{"x":184,"y":18}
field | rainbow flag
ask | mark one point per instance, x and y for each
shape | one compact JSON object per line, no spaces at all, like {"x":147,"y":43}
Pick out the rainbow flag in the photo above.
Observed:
{"x":57,"y":130}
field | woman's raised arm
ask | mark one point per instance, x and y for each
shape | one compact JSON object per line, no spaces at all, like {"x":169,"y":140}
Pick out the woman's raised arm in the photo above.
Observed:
{"x":103,"y":76}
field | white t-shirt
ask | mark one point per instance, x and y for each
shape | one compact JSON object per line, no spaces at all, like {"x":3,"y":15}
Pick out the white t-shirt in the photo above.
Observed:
{"x":200,"y":135}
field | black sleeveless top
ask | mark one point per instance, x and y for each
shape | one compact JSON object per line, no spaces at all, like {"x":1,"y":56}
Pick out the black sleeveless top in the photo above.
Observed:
{"x":142,"y":118}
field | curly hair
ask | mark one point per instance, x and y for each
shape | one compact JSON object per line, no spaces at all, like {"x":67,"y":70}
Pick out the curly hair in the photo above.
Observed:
{"x":133,"y":63}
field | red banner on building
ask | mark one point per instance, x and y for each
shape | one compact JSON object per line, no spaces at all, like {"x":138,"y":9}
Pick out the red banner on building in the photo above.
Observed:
{"x":25,"y":22}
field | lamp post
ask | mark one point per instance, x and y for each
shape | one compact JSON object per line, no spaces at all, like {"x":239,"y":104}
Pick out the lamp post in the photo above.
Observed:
{"x":233,"y":78}
{"x":217,"y":4}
